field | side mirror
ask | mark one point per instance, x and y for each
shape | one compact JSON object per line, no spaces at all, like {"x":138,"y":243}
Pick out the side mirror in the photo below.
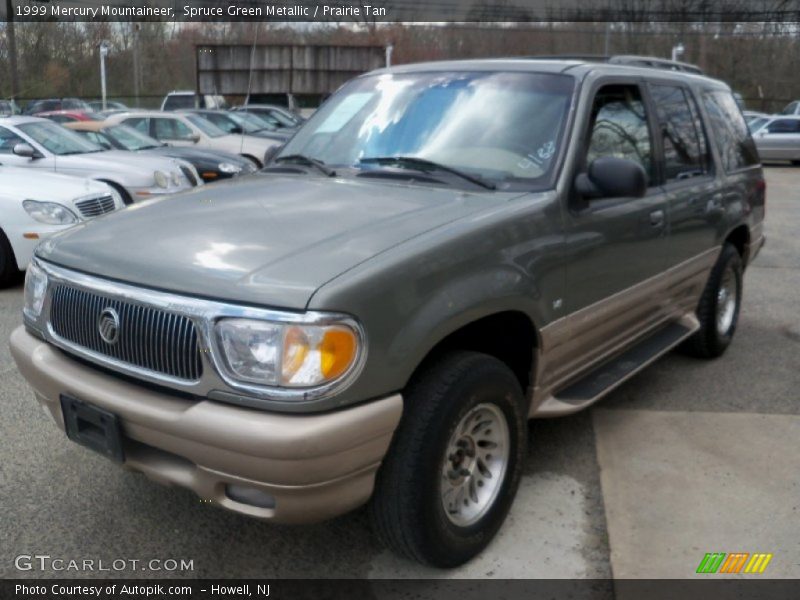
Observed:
{"x":194,"y":138}
{"x":25,"y":150}
{"x":611,"y":177}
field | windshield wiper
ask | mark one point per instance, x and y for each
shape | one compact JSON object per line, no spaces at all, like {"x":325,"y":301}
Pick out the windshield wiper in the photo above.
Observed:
{"x":423,"y":164}
{"x":308,"y":161}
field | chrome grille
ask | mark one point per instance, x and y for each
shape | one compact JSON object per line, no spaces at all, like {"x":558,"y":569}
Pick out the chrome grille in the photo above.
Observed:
{"x":148,"y":338}
{"x":189,"y":175}
{"x":94,"y":207}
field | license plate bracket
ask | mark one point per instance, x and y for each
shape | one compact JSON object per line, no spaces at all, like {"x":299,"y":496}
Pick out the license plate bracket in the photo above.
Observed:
{"x":92,"y":427}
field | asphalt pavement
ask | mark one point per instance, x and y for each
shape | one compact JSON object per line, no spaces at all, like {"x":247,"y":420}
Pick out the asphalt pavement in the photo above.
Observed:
{"x":640,"y":472}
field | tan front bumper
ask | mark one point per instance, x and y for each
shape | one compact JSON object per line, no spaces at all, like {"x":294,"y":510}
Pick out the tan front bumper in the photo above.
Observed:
{"x":315,"y":466}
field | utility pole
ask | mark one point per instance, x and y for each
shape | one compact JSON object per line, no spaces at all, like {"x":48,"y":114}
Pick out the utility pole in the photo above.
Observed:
{"x":12,"y":49}
{"x":103,"y":54}
{"x":136,"y":63}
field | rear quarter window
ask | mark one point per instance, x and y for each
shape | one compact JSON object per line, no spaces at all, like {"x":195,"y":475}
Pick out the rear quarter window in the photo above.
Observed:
{"x":730,"y":131}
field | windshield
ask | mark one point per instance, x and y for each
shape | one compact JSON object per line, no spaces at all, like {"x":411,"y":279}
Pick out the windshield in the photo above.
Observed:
{"x":131,"y":139}
{"x":205,"y":126}
{"x":57,"y":139}
{"x":505,"y":127}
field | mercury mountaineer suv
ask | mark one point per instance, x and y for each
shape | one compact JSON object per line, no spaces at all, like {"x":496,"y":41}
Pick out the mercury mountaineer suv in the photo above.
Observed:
{"x":442,"y":252}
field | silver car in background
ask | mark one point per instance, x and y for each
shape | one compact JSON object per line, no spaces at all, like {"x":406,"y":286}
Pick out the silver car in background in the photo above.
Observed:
{"x":193,"y":130}
{"x":778,"y":138}
{"x":35,"y":143}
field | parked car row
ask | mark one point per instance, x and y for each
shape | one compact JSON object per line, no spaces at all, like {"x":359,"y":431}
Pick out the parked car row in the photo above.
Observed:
{"x":212,"y":165}
{"x":87,"y":164}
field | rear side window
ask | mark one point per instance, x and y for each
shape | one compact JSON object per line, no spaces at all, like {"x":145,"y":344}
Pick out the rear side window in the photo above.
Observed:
{"x":171,"y":129}
{"x":139,"y":123}
{"x":736,"y":147}
{"x":784,"y":126}
{"x":681,"y":131}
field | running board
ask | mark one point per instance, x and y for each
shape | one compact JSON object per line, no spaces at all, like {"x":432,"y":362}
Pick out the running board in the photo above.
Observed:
{"x":599,"y":382}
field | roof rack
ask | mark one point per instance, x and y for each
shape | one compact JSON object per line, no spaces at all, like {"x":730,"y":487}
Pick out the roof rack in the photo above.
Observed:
{"x":632,"y":60}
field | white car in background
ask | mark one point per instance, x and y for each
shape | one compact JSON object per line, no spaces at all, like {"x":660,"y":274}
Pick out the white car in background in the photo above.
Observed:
{"x":189,"y":129}
{"x":34,"y":208}
{"x":777,"y":138}
{"x":35,"y":143}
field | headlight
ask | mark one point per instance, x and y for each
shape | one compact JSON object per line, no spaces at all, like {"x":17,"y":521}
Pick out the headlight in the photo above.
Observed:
{"x":162,"y":180}
{"x":49,"y":212}
{"x":35,"y":290}
{"x":286,"y":354}
{"x":228,"y":168}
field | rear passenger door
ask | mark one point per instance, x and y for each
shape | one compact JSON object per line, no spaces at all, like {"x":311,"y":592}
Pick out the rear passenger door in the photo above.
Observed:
{"x":693,"y":193}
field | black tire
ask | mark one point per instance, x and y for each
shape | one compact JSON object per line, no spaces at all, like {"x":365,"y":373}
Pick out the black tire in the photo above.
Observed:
{"x":796,"y":163}
{"x":9,"y":274}
{"x":709,"y":341}
{"x":407,"y":508}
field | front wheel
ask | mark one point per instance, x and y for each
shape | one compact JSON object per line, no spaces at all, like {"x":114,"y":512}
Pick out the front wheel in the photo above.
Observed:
{"x":451,"y":474}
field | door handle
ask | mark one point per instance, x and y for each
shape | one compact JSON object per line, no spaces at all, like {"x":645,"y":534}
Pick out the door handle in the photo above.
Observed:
{"x":657,"y":218}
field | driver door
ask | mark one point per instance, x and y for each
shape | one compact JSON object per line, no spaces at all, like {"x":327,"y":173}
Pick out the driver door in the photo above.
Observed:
{"x":615,"y":247}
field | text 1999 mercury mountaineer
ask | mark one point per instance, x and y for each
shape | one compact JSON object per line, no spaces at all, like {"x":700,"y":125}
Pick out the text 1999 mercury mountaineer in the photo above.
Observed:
{"x":440,"y":253}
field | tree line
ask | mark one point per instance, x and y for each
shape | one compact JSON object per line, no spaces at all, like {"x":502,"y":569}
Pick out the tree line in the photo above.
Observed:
{"x":759,"y":60}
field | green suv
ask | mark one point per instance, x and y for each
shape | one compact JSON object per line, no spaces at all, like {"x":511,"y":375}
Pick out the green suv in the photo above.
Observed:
{"x":442,"y":252}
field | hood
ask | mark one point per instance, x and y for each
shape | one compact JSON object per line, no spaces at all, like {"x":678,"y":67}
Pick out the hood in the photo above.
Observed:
{"x":48,"y":186}
{"x":120,"y":161}
{"x":267,"y":240}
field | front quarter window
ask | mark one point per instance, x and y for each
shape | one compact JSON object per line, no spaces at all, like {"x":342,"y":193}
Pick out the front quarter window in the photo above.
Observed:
{"x":505,"y":127}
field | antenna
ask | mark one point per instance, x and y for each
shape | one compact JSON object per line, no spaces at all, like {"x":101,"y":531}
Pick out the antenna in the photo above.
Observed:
{"x":252,"y":60}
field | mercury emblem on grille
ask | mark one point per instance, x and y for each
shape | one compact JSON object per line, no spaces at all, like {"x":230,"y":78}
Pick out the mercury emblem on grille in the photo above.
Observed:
{"x":108,"y":326}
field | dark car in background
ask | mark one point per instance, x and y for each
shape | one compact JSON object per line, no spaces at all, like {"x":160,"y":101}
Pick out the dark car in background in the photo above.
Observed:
{"x":212,"y":165}
{"x":51,"y":104}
